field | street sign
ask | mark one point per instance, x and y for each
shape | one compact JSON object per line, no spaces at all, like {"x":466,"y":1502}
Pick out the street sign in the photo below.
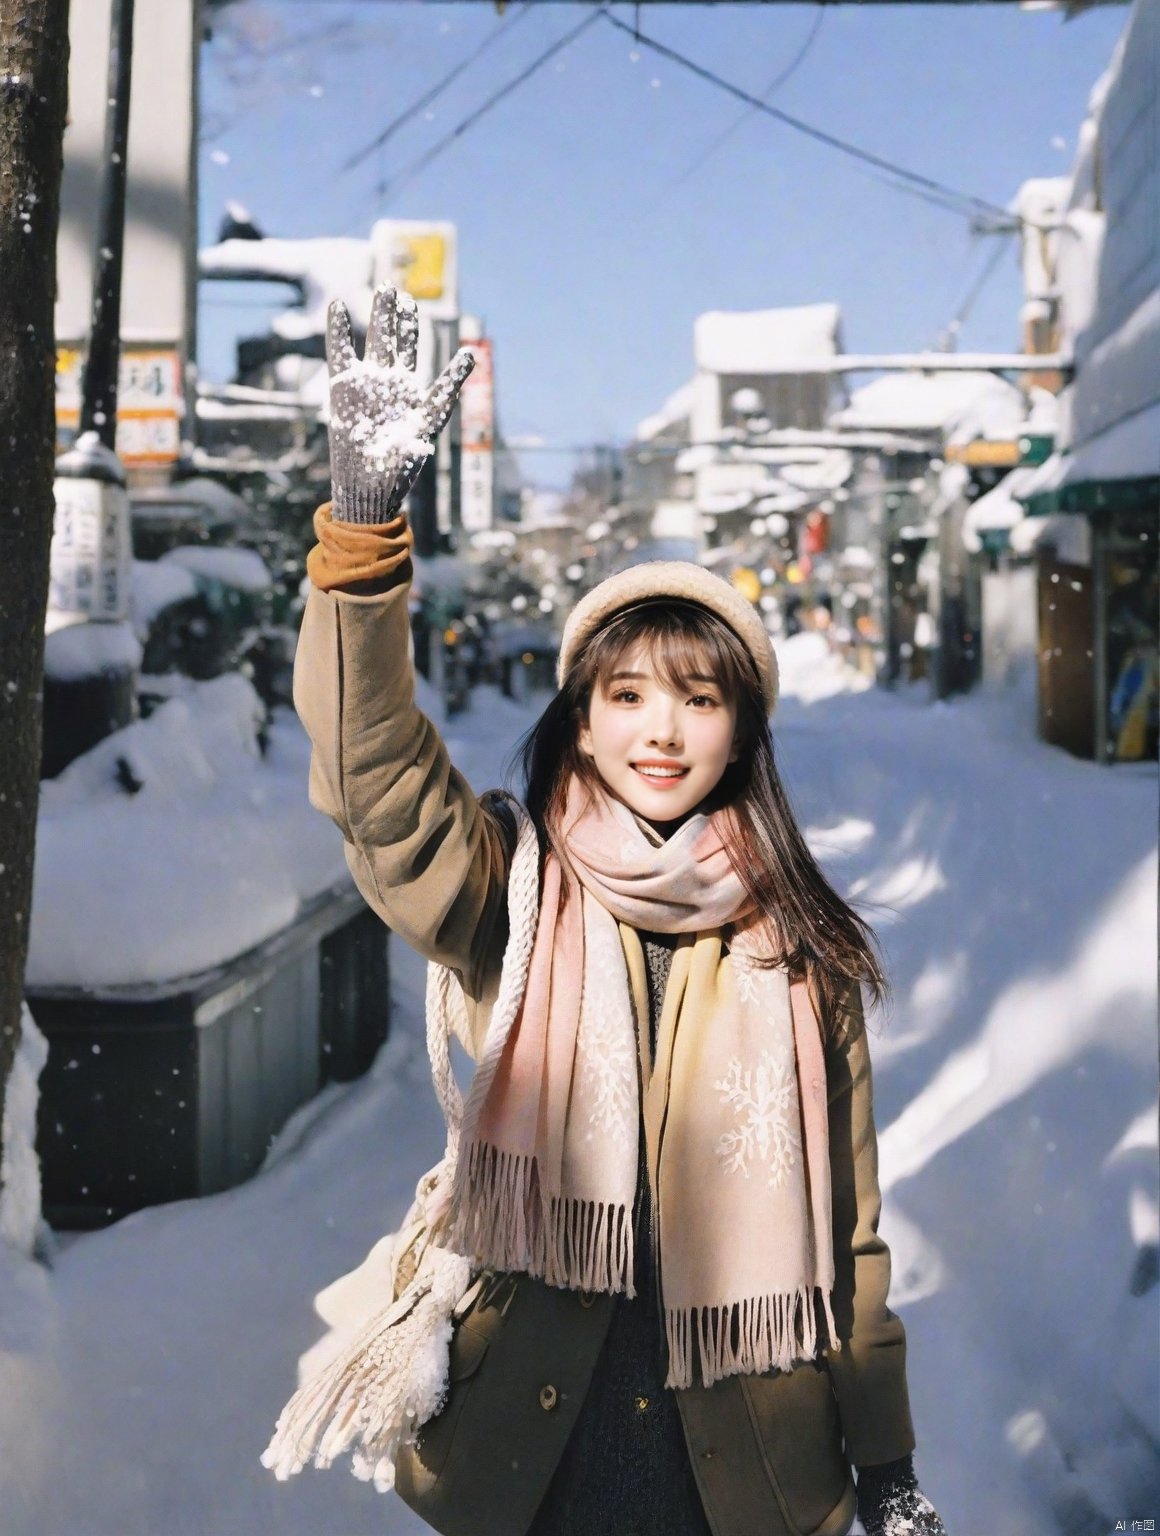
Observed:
{"x":149,"y":403}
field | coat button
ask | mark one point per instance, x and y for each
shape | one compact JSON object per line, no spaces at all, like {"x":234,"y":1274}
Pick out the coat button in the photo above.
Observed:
{"x":587,"y":1298}
{"x":549,"y":1397}
{"x":641,"y":1405}
{"x":708,"y":1455}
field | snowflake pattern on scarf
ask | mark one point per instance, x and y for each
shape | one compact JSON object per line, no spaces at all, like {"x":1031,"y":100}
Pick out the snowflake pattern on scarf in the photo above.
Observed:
{"x":763,"y":1099}
{"x":607,"y":1063}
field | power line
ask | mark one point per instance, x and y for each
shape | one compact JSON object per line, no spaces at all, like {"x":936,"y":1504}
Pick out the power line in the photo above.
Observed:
{"x":742,"y":117}
{"x":436,"y":90}
{"x":938,"y":192}
{"x":955,"y":325}
{"x":472,"y":118}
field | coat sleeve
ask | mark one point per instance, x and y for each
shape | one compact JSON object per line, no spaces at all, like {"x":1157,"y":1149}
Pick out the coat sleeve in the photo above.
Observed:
{"x":869,"y":1371}
{"x":429,"y":859}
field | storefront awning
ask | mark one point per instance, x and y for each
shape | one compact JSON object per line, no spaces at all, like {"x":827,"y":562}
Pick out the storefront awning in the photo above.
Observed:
{"x":1118,"y":467}
{"x":998,"y":511}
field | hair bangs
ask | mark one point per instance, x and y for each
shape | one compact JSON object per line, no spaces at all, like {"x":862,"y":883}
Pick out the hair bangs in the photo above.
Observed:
{"x":686,"y":647}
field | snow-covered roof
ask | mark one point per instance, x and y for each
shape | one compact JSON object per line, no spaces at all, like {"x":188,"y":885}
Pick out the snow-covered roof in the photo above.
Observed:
{"x":765,"y":341}
{"x":925,"y":402}
{"x":325,"y":269}
{"x":995,"y":412}
{"x":676,"y":411}
{"x":826,"y":472}
{"x":1127,"y":450}
{"x":1120,"y":378}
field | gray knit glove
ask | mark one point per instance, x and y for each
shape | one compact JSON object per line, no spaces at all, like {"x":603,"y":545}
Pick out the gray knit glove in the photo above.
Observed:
{"x":890,"y":1502}
{"x":382,"y":425}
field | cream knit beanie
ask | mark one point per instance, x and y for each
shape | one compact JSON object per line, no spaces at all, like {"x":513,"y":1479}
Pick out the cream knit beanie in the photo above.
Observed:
{"x":687,"y":583}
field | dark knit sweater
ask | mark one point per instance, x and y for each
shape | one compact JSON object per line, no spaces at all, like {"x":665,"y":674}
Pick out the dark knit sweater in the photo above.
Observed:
{"x":625,"y":1470}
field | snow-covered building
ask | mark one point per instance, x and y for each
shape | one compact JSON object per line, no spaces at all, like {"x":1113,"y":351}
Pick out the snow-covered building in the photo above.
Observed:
{"x":907,"y":506}
{"x":1094,"y":504}
{"x":758,"y":373}
{"x":742,"y":441}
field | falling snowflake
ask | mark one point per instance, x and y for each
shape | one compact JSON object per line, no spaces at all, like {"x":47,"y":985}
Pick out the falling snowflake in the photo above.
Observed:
{"x":764,"y":1100}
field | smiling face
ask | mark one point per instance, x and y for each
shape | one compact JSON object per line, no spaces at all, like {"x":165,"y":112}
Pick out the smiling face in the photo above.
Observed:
{"x":660,"y":743}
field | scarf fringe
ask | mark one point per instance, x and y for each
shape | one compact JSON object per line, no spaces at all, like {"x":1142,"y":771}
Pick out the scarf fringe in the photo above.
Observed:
{"x":389,"y":1380}
{"x":745,"y":1338}
{"x":504,"y":1220}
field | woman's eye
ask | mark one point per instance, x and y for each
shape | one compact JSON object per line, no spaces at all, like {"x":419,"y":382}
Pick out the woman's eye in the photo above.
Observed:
{"x":703,"y":700}
{"x":626,"y":696}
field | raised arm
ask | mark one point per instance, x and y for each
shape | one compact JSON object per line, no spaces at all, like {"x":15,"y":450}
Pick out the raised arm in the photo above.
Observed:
{"x":427,"y":857}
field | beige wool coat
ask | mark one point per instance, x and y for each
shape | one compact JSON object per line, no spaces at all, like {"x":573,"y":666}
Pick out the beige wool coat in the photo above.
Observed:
{"x":771,"y":1454}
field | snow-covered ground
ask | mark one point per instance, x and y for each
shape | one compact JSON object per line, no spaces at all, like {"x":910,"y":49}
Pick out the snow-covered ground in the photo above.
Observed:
{"x":1014,"y":890}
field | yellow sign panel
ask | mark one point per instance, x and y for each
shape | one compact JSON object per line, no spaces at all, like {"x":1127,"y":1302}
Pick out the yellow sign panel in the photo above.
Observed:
{"x":982,"y":454}
{"x":423,"y":265}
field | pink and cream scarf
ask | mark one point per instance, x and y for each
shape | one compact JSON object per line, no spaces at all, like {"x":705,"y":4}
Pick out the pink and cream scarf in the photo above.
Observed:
{"x":734,"y":1104}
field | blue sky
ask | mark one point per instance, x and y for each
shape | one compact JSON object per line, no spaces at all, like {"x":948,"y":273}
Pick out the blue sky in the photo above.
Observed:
{"x":590,"y":237}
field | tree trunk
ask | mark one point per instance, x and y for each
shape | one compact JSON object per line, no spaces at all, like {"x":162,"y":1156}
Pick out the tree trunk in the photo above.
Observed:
{"x":33,"y":93}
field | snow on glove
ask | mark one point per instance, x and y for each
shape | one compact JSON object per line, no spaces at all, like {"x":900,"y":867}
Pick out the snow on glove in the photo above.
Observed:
{"x":382,"y":425}
{"x":890,"y":1502}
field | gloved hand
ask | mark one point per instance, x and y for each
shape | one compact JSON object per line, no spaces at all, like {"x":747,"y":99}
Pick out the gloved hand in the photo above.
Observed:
{"x":382,"y":425}
{"x":890,"y":1502}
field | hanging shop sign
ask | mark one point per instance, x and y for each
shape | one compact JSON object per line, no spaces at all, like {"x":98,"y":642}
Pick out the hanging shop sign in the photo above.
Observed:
{"x":477,"y":441}
{"x":419,"y":257}
{"x":150,"y":406}
{"x":983,"y":454}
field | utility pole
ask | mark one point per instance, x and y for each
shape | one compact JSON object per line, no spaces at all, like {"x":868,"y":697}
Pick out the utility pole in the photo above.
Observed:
{"x":91,"y":548}
{"x":99,"y":386}
{"x":33,"y":93}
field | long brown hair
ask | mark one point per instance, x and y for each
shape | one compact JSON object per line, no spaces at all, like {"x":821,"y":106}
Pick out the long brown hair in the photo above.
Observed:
{"x":821,"y":936}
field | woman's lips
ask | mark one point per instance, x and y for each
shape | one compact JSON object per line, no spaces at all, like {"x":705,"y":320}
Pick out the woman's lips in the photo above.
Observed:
{"x":659,"y":779}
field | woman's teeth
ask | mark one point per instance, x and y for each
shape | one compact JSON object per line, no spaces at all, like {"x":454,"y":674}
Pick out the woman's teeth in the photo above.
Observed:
{"x":662,"y":773}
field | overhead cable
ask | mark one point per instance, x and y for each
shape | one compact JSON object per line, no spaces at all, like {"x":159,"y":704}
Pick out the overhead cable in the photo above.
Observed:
{"x":424,"y":160}
{"x":937,"y":192}
{"x":742,"y":117}
{"x":950,"y":334}
{"x":436,"y":90}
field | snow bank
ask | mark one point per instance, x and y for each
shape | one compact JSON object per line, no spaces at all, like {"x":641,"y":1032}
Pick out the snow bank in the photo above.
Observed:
{"x":174,"y":845}
{"x":809,"y":670}
{"x":88,"y":648}
{"x":19,"y":1164}
{"x":242,"y":568}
